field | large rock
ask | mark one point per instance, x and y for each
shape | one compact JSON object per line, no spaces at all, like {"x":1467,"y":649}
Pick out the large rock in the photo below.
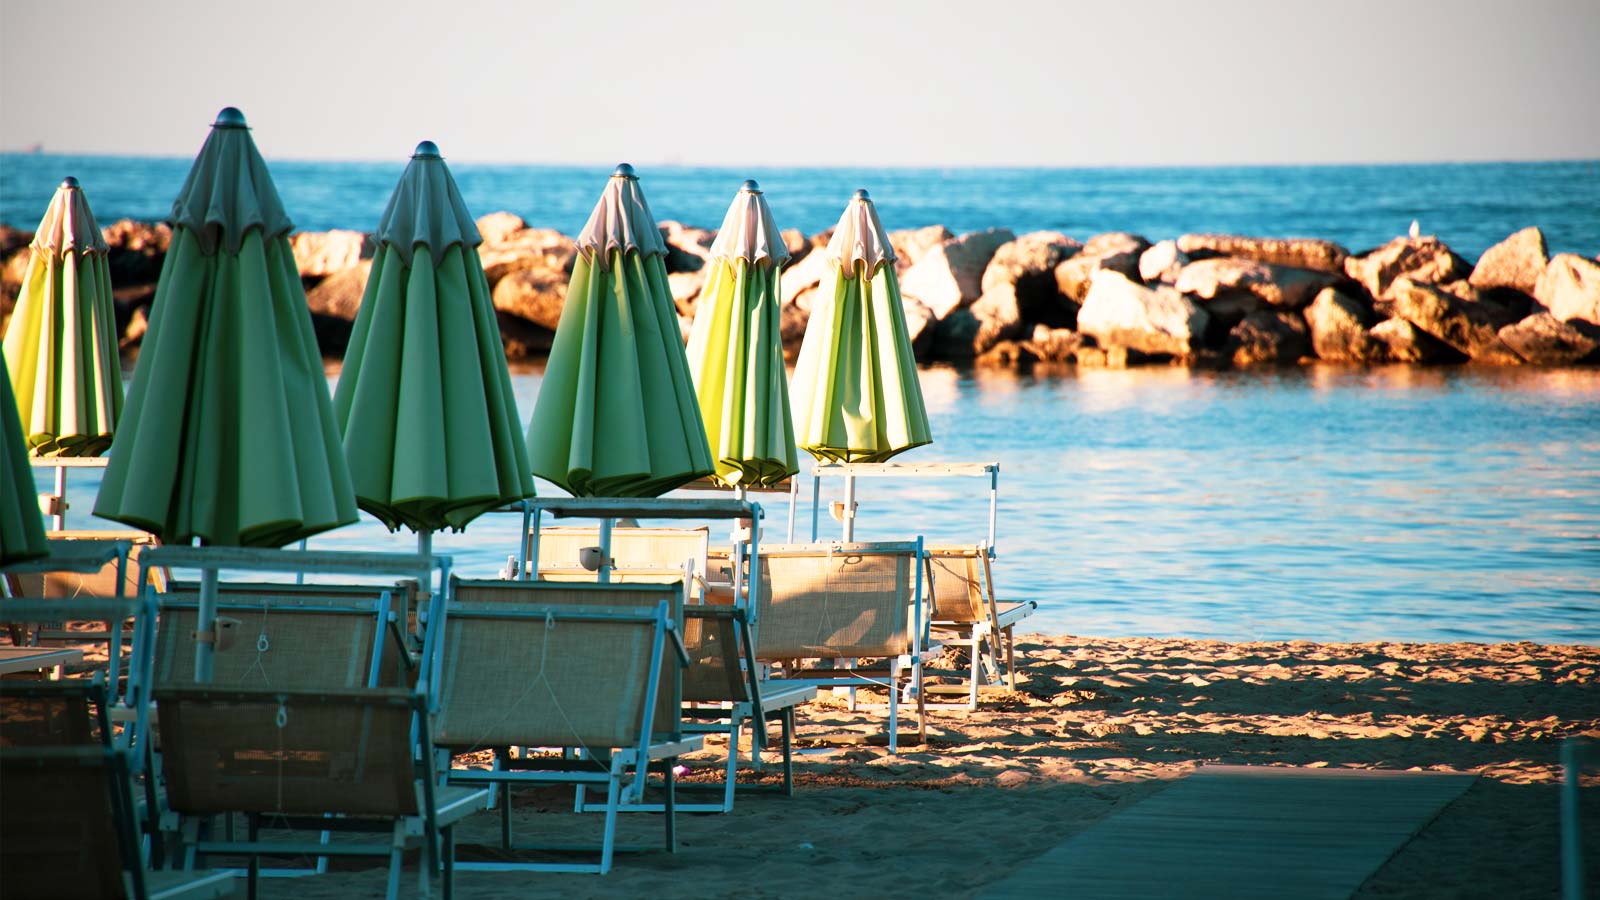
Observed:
{"x":522,"y":339}
{"x":1115,"y":243}
{"x":804,"y":276}
{"x":1269,"y":337}
{"x":1053,"y":344}
{"x":1515,"y":263}
{"x":686,"y":287}
{"x":1545,"y":340}
{"x":1019,"y":289}
{"x":135,"y":251}
{"x":920,"y":326}
{"x":950,"y":275}
{"x":955,"y":335}
{"x":526,"y":248}
{"x":1116,"y":251}
{"x":912,"y":244}
{"x":1406,"y":342}
{"x":794,"y":240}
{"x":1162,"y":263}
{"x":534,"y":295}
{"x":497,"y":227}
{"x":1299,"y":253}
{"x":1471,"y":328}
{"x":339,"y":295}
{"x":1570,"y":288}
{"x":1341,"y":329}
{"x":319,"y":254}
{"x":688,"y":248}
{"x":1120,"y":313}
{"x":1282,"y":287}
{"x":1418,"y":258}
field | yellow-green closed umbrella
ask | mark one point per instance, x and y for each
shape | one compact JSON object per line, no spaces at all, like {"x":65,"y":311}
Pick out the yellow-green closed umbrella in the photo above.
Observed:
{"x":228,"y":435}
{"x":616,"y":415}
{"x":21,"y":529}
{"x":736,"y":349}
{"x":855,"y":390}
{"x":430,"y":425}
{"x":61,"y":343}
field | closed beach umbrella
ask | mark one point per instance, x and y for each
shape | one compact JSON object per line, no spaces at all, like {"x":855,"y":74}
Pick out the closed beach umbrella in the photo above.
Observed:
{"x":736,"y":351}
{"x":855,"y":390}
{"x":228,"y":435}
{"x":430,"y":425}
{"x":61,"y":343}
{"x":21,"y":529}
{"x":616,"y":415}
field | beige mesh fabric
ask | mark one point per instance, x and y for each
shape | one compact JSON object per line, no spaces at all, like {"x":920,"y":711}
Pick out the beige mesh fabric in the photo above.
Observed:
{"x":60,"y":825}
{"x":829,"y":603}
{"x":544,"y":683}
{"x":303,"y":649}
{"x":348,"y":753}
{"x":710,"y":634}
{"x":45,"y":719}
{"x":957,"y":594}
{"x":659,"y":551}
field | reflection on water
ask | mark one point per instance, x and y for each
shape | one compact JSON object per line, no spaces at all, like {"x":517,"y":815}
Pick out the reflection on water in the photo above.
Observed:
{"x":1325,"y":503}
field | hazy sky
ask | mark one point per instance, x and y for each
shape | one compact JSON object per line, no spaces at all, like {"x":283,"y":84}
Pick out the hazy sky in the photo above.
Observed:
{"x":985,"y":83}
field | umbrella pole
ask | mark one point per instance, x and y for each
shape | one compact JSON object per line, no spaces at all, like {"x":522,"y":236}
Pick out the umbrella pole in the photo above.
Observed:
{"x":604,"y":572}
{"x":58,"y":517}
{"x":205,"y":626}
{"x":849,"y":508}
{"x":738,"y":549}
{"x":424,"y":577}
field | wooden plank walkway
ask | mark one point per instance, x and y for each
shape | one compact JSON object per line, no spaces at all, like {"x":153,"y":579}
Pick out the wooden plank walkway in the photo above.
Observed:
{"x":1241,"y":832}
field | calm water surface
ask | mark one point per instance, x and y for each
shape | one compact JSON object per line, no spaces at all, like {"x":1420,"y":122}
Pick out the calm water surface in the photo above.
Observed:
{"x":1321,"y":503}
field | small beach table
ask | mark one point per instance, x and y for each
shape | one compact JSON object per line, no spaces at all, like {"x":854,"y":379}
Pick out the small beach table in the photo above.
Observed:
{"x":32,"y":659}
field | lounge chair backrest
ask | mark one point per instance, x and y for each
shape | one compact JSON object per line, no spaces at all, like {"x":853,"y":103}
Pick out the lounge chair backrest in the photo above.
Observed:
{"x":54,"y":713}
{"x":65,"y":823}
{"x":958,"y":588}
{"x":289,"y":752}
{"x":711,"y":636}
{"x":402,"y":594}
{"x":656,"y":554}
{"x":290,"y":642}
{"x":528,"y":663}
{"x":92,"y":584}
{"x":834,"y":601}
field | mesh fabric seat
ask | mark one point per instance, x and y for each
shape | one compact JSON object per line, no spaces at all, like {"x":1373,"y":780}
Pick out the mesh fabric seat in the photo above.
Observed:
{"x":66,"y":584}
{"x":655,"y":555}
{"x":965,"y":611}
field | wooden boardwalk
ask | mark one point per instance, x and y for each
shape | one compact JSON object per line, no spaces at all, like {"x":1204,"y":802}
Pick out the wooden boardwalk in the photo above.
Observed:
{"x":1241,"y":832}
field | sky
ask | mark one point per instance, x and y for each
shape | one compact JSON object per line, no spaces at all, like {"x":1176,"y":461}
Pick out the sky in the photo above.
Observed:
{"x":1155,"y":82}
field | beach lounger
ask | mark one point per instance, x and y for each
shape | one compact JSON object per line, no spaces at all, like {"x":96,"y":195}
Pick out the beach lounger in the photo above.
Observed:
{"x":66,"y":830}
{"x":650,"y":555}
{"x":116,"y":577}
{"x":965,"y":611}
{"x":844,"y":603}
{"x":311,"y":761}
{"x":592,"y":671}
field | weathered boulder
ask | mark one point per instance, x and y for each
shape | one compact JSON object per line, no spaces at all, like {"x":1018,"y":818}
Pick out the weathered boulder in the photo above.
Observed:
{"x":912,"y":244}
{"x":1115,"y":243}
{"x":1019,"y":288}
{"x":339,"y":295}
{"x":821,"y":238}
{"x":1418,"y":258}
{"x":688,"y":247}
{"x":686,"y":287}
{"x":526,"y":248}
{"x":1162,"y":262}
{"x":13,"y":239}
{"x":1471,"y":328}
{"x":1298,"y":253}
{"x":16,"y":269}
{"x":522,"y":339}
{"x":1116,"y":251}
{"x":318,"y":254}
{"x":1545,"y":340}
{"x":497,"y":227}
{"x":1570,"y":288}
{"x":133,"y":333}
{"x":954,"y":336}
{"x":1053,"y":344}
{"x":792,"y":328}
{"x":1408,"y":343}
{"x":1341,"y":329}
{"x":136,"y":250}
{"x":794,"y":240}
{"x":1121,"y":313}
{"x":950,"y":275}
{"x":1277,"y":286}
{"x":1269,"y":337}
{"x":804,"y":276}
{"x":920,"y":326}
{"x":534,"y":295}
{"x":1515,"y":263}
{"x":1006,"y":354}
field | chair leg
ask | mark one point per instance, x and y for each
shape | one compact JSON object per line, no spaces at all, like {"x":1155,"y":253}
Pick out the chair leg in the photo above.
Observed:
{"x":922,"y":702}
{"x":671,"y":804}
{"x":613,"y":798}
{"x":788,"y":751}
{"x":505,"y":816}
{"x":397,"y":847}
{"x":449,"y":861}
{"x":976,"y":653}
{"x":894,"y":707}
{"x":1011,"y":660}
{"x":733,"y":762}
{"x":253,"y":828}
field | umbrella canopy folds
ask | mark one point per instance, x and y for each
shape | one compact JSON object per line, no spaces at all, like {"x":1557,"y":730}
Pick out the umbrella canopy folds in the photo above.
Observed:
{"x":228,"y":435}
{"x":61,"y":343}
{"x":430,"y":425}
{"x":736,"y":349}
{"x":616,"y":415}
{"x":855,"y":390}
{"x":21,"y":529}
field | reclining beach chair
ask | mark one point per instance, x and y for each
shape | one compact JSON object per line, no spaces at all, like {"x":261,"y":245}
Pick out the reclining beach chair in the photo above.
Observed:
{"x":592,"y":670}
{"x":965,"y":611}
{"x":310,"y":760}
{"x":845,"y":603}
{"x":649,"y":555}
{"x":77,"y":578}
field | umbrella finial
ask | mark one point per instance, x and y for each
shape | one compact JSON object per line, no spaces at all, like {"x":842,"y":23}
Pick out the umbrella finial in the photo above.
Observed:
{"x":69,"y":183}
{"x":426,"y":150}
{"x":751,"y":186}
{"x":623,"y":170}
{"x":860,"y":194}
{"x":229,"y":117}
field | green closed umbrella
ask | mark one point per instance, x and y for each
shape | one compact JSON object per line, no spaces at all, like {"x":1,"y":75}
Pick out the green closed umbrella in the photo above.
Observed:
{"x":228,"y":436}
{"x":736,"y":349}
{"x":424,"y":400}
{"x":21,"y":529}
{"x":616,"y":415}
{"x":61,"y":343}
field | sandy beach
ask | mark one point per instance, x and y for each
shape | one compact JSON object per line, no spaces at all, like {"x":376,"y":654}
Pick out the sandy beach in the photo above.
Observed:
{"x":1095,"y":726}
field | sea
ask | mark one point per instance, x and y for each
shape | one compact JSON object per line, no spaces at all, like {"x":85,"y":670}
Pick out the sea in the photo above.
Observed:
{"x":1325,"y":503}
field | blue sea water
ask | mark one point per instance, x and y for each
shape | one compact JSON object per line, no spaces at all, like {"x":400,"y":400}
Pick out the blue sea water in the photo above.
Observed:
{"x":1326,"y":503}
